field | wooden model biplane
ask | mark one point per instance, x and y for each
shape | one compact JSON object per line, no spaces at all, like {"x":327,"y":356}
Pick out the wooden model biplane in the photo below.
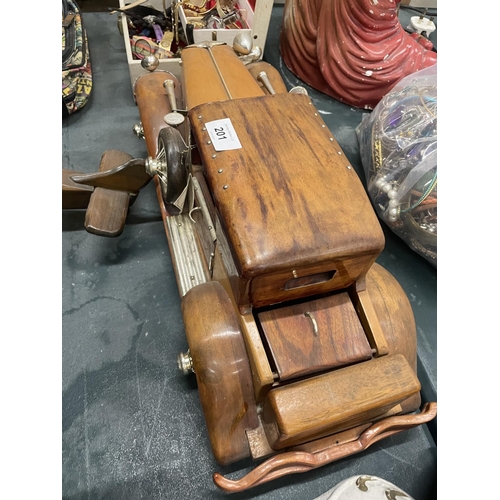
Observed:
{"x":304,"y":348}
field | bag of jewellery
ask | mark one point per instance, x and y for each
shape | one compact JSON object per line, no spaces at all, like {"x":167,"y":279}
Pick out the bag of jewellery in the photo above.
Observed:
{"x":398,"y":148}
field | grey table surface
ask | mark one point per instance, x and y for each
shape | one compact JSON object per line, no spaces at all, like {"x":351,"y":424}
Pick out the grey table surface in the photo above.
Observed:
{"x":132,"y":424}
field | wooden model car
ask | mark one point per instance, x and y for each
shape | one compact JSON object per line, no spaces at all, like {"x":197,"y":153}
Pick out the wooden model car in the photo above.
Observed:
{"x":304,"y":348}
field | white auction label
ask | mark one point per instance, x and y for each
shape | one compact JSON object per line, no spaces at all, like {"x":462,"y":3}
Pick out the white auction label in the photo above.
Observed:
{"x":223,"y":135}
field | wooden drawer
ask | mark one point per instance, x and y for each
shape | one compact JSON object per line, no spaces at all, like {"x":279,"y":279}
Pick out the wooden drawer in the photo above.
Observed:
{"x":314,"y":336}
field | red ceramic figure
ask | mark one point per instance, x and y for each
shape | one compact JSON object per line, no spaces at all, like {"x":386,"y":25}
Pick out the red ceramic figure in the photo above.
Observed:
{"x":352,"y":50}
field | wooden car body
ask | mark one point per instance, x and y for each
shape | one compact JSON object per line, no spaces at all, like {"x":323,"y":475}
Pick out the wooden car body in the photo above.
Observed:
{"x":303,"y":347}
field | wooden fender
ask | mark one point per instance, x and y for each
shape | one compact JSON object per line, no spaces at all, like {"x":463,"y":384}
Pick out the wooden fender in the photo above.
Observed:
{"x":153,"y":104}
{"x":396,"y":319}
{"x":394,"y":313}
{"x":272,"y":74}
{"x":220,"y":362}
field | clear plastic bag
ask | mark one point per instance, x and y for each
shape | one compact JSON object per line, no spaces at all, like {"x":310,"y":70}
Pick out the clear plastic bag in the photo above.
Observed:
{"x":398,"y":148}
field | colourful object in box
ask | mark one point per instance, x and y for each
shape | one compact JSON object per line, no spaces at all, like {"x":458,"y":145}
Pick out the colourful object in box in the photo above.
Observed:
{"x":352,"y":50}
{"x":143,"y":46}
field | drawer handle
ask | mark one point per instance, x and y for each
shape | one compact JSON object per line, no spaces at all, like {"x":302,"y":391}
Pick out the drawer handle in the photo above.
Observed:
{"x":312,"y":279}
{"x":309,"y":315}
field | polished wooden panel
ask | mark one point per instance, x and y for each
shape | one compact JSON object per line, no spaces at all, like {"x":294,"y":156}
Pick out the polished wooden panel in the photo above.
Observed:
{"x":201,"y":81}
{"x":314,"y":336}
{"x":337,"y":400}
{"x":107,"y":209}
{"x":222,"y":371}
{"x":395,"y":316}
{"x":273,"y":288}
{"x":153,"y":104}
{"x":288,"y":199}
{"x":234,"y":73}
{"x":208,"y":81}
{"x":364,"y":307}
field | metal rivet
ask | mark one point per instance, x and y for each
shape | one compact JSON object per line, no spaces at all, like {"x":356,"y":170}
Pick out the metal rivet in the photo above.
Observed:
{"x":192,"y":278}
{"x":323,"y":125}
{"x":339,"y":152}
{"x":204,"y":128}
{"x":214,"y":156}
{"x":225,"y":186}
{"x":209,"y":142}
{"x":220,"y":170}
{"x":315,"y":114}
{"x":349,"y":167}
{"x":199,"y":117}
{"x":331,"y":138}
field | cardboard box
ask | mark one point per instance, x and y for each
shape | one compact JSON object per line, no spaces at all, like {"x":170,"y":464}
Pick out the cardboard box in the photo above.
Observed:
{"x":257,"y":19}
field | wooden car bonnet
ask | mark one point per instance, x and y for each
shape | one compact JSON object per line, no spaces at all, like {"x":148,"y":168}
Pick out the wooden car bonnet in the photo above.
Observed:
{"x":213,"y":72}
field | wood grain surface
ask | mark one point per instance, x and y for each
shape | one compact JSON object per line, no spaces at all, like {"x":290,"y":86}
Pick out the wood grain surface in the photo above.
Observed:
{"x":314,"y":336}
{"x":107,"y":210}
{"x":288,"y":199}
{"x":336,"y":401}
{"x":215,"y":74}
{"x":222,"y":370}
{"x":153,"y":104}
